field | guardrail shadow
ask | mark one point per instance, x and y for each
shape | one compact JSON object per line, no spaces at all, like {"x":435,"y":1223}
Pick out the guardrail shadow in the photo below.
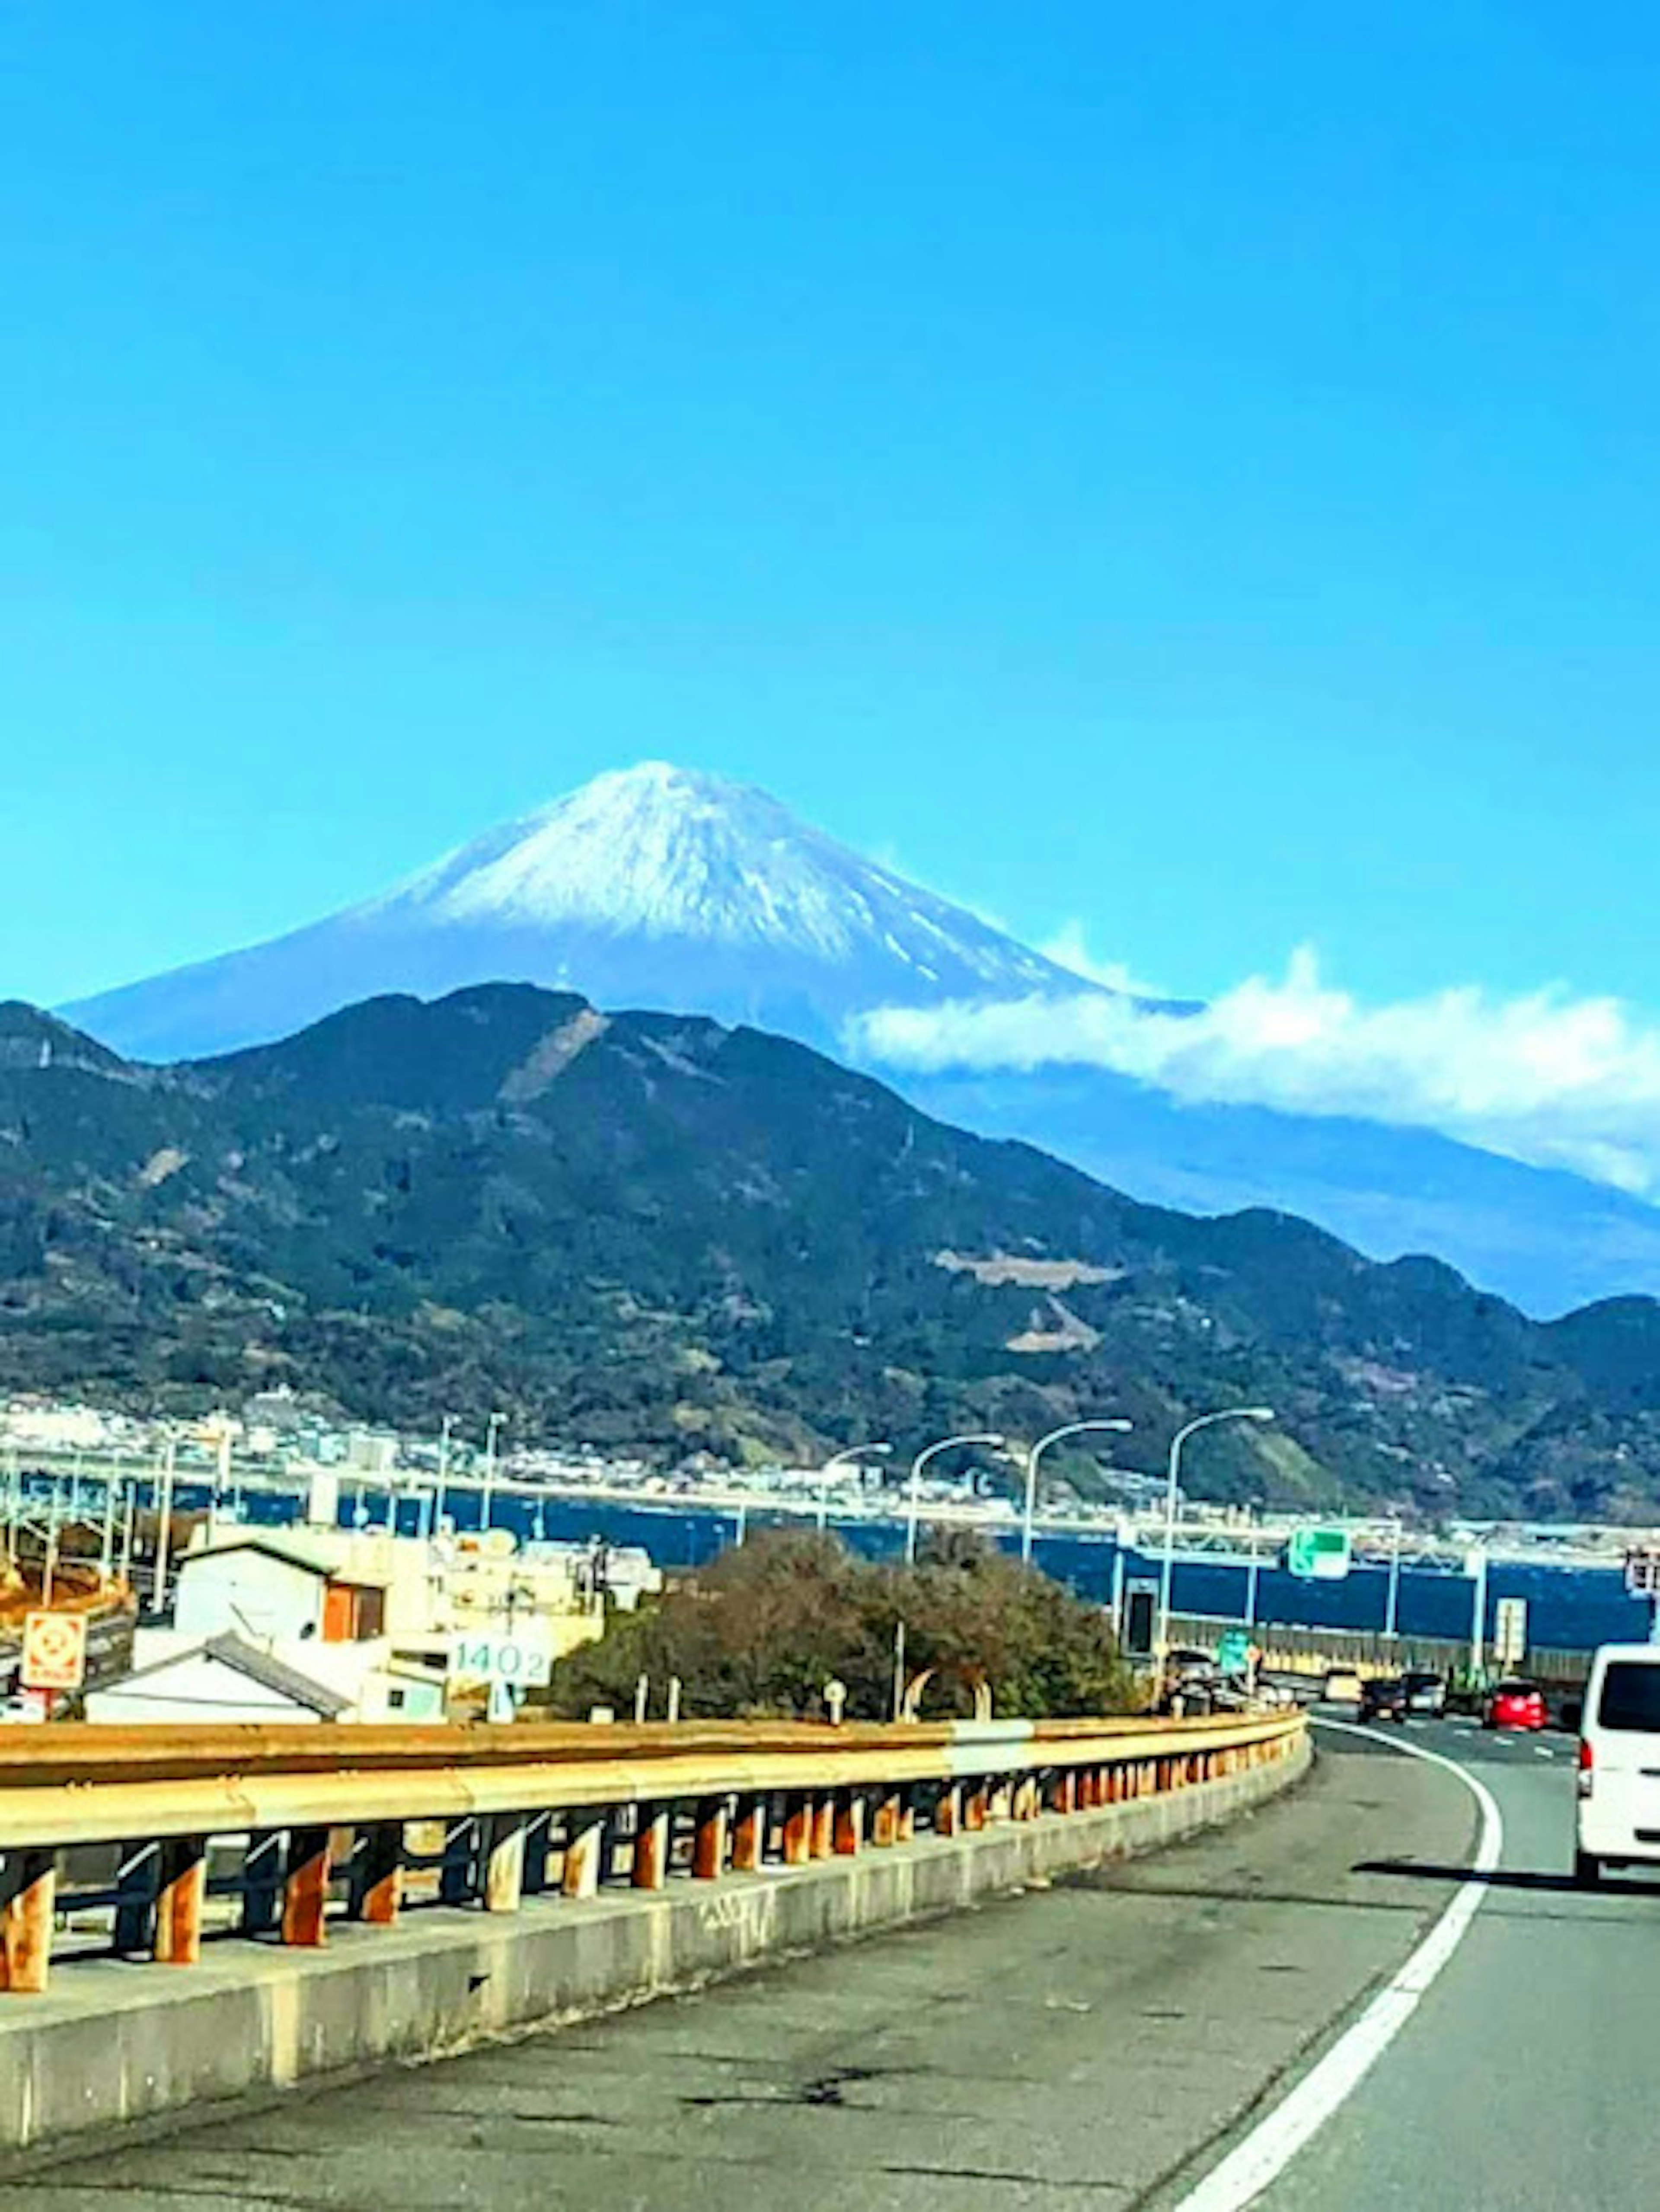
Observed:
{"x":1505,"y":1878}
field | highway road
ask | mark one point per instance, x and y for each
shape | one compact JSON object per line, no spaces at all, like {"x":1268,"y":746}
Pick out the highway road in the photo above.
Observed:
{"x":1126,"y":2039}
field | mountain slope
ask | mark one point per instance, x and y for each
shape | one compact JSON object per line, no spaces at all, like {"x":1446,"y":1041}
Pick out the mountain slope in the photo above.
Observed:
{"x":653,"y":886}
{"x":654,"y":1231}
{"x":657,"y":887}
{"x":1546,"y":1239}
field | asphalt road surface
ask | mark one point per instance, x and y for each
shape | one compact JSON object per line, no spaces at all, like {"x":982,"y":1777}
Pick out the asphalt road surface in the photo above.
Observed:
{"x":1104,"y":2044}
{"x":1526,"y":2080}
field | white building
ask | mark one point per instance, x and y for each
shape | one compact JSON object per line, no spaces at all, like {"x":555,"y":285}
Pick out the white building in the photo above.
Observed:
{"x":221,"y":1678}
{"x":275,"y":1587}
{"x":352,"y":1624}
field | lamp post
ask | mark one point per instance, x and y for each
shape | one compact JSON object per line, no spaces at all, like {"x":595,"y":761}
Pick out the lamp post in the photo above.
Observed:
{"x":164,"y":1524}
{"x":914,"y":1505}
{"x":443,"y":1467}
{"x":1393,"y":1605}
{"x":850,"y":1457}
{"x":1202,"y":1421}
{"x":496,"y":1421}
{"x":1476,"y":1566}
{"x":1055,"y":1436}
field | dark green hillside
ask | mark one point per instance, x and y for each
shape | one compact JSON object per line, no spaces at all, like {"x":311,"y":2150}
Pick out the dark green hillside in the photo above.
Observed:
{"x":651,"y":1232}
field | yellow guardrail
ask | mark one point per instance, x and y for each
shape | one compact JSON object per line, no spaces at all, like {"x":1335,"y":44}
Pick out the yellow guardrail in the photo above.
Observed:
{"x":310,"y":1819}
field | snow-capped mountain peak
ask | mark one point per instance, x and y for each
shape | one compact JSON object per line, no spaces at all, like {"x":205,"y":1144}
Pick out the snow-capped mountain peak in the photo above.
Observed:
{"x":649,"y":886}
{"x":672,"y":853}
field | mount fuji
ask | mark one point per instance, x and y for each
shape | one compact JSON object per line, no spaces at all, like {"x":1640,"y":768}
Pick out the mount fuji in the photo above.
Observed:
{"x":657,"y":888}
{"x":652,"y":886}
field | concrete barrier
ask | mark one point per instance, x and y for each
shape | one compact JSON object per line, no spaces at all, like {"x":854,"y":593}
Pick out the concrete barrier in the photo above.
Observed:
{"x":113,"y":2043}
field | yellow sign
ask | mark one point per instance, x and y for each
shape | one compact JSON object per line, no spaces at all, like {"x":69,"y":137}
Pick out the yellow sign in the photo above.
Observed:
{"x":54,"y":1651}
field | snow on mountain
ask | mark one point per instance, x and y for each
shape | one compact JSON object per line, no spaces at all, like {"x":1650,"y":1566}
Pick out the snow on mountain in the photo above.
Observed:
{"x":649,"y":886}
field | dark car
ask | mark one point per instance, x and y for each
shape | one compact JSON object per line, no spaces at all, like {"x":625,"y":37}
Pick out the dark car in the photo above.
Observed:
{"x":1385,"y":1699}
{"x":1425,"y":1692}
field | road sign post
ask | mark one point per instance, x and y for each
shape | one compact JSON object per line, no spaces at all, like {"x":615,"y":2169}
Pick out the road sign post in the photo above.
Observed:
{"x":1140,"y":1619}
{"x":1510,"y":1631}
{"x":54,"y":1651}
{"x":520,"y":1659}
{"x":1643,"y":1580}
{"x":1233,"y":1651}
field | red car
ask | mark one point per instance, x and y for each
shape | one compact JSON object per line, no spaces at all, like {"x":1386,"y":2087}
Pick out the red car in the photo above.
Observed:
{"x":1515,"y":1706}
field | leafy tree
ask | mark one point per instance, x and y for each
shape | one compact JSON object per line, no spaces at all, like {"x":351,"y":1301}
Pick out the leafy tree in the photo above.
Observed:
{"x":760,"y":1632}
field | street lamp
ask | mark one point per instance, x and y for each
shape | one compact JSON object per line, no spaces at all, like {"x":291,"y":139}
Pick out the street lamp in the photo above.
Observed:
{"x":850,"y":1457}
{"x":1055,"y":1436}
{"x":1392,"y":1605}
{"x":1203,"y":1421}
{"x":914,"y":1506}
{"x":443,"y":1467}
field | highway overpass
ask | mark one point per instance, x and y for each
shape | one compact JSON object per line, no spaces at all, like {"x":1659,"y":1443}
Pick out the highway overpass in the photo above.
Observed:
{"x":1134,"y":2036}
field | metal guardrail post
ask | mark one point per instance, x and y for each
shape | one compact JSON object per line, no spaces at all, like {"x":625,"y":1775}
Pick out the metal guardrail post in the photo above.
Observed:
{"x":849,"y":1823}
{"x":179,"y":1900}
{"x":651,"y":1847}
{"x":502,"y":1853}
{"x":377,"y":1873}
{"x":586,"y":1845}
{"x":708,"y":1847}
{"x":29,"y":1882}
{"x":306,"y":1888}
{"x":823,"y":1825}
{"x":797,"y":1827}
{"x":948,"y":1810}
{"x":884,"y":1819}
{"x":749,"y":1835}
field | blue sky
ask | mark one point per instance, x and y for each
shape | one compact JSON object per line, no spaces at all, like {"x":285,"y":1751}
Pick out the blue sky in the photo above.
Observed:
{"x":1189,"y":473}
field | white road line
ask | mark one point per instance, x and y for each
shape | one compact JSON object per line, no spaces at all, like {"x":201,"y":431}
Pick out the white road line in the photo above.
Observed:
{"x":1269,"y":2149}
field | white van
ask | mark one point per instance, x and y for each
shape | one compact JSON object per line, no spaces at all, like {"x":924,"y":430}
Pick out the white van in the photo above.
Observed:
{"x":1618,"y":1808}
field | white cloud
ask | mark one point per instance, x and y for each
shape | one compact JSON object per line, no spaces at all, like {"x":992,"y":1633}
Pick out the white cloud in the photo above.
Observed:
{"x":1557,"y":1081}
{"x":1068,"y":948}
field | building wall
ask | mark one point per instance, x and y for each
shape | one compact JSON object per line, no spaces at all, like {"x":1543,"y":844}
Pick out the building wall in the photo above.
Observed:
{"x":197,"y":1687}
{"x":252,"y":1594}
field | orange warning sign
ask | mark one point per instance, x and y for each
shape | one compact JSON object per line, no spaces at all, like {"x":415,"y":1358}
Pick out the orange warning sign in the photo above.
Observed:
{"x":54,"y":1651}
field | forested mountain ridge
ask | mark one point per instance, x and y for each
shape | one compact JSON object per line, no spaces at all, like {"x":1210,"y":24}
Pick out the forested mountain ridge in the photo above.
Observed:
{"x":654,"y":1232}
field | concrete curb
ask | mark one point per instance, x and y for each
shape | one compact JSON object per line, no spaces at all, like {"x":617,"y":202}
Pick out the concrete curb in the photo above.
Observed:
{"x":115,"y":2043}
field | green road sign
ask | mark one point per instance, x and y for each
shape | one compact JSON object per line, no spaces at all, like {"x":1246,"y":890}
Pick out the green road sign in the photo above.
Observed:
{"x":1233,"y":1651}
{"x":1318,"y":1555}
